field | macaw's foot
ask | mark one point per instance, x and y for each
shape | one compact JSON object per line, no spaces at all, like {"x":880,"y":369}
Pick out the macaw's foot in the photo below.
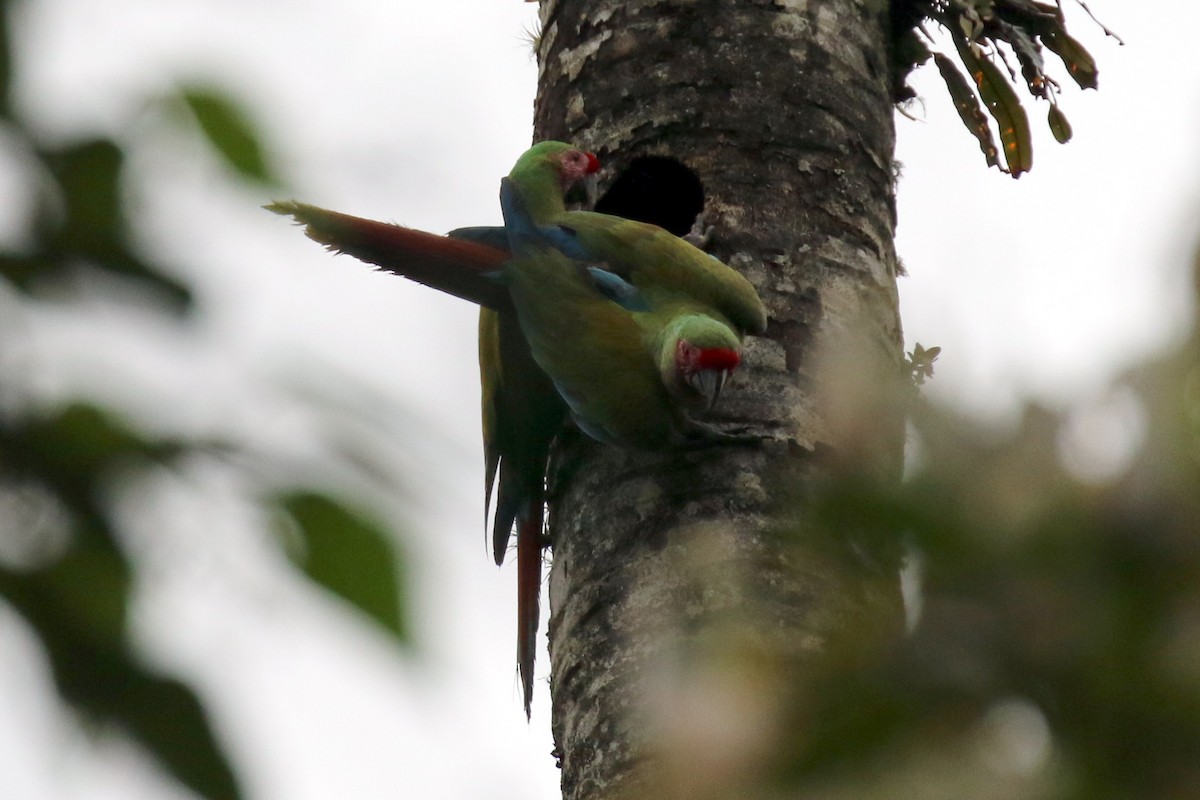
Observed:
{"x":700,"y":434}
{"x":700,"y":234}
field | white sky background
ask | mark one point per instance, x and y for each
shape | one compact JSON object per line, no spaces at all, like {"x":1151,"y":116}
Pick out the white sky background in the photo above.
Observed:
{"x":411,"y":111}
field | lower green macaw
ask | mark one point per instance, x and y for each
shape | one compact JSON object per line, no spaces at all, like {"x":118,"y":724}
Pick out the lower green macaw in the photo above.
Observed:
{"x":638,"y":308}
{"x":631,"y":359}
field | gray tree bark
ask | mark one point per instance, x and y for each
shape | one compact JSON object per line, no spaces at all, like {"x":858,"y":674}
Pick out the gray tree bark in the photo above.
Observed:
{"x":678,"y":578}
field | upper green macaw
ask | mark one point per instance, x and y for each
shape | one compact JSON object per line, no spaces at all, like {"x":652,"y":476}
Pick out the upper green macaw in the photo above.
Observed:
{"x":663,"y":267}
{"x":635,"y":327}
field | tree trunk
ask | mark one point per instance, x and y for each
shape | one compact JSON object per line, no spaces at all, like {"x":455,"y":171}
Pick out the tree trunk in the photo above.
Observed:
{"x":670,"y":581}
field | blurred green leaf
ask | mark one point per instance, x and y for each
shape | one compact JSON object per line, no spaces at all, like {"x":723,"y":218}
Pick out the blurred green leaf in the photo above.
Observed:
{"x":78,"y":444}
{"x":1001,"y":100}
{"x":77,"y":607}
{"x":920,"y":362}
{"x":20,"y":270}
{"x":88,"y":175}
{"x":351,"y":556}
{"x":170,"y":721}
{"x":968,"y":107}
{"x":84,"y":592}
{"x":1029,"y":55}
{"x":1059,"y":125}
{"x":88,"y":228}
{"x":1078,"y":61}
{"x":229,"y":130}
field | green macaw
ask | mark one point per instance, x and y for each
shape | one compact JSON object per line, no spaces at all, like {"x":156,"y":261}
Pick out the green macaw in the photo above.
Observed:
{"x":631,"y":328}
{"x":634,"y":325}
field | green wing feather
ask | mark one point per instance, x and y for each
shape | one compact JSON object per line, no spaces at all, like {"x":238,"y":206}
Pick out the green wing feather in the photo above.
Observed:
{"x":596,"y":352}
{"x":522,"y":413}
{"x":665,"y":266}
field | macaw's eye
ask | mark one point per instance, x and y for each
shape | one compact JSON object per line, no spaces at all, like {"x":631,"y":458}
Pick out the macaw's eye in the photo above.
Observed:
{"x":574,"y":165}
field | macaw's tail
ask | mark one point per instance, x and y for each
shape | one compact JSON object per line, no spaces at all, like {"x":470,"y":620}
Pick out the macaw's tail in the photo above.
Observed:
{"x":529,"y":589}
{"x":466,"y":269}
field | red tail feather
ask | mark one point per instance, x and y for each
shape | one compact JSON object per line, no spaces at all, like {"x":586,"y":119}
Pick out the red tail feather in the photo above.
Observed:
{"x":454,"y":266}
{"x":529,"y":589}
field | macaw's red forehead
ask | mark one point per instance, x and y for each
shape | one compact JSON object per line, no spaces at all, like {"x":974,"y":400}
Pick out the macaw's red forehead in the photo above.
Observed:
{"x":718,"y":358}
{"x":573,"y":164}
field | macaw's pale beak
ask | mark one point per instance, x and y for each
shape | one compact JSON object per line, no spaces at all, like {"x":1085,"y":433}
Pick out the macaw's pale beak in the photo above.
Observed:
{"x":709,"y":383}
{"x":583,"y":193}
{"x":591,"y":189}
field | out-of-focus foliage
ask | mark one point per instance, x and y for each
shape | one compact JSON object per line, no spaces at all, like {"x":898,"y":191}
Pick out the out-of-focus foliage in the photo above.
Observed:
{"x":65,"y":565}
{"x":76,"y":599}
{"x":1057,"y":652}
{"x":1054,"y":644}
{"x":230,"y":132}
{"x":79,"y":223}
{"x":920,"y":363}
{"x":349,"y":554}
{"x":1001,"y":44}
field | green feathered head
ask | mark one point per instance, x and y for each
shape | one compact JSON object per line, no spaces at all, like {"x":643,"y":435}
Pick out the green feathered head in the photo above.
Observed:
{"x":544,"y":173}
{"x":698,"y":353}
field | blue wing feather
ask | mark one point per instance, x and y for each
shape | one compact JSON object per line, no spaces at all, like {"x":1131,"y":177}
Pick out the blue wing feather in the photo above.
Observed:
{"x":523,"y":231}
{"x":619,"y":290}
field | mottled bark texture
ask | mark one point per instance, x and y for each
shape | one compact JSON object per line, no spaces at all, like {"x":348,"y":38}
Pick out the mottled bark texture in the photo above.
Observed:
{"x":671,"y":583}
